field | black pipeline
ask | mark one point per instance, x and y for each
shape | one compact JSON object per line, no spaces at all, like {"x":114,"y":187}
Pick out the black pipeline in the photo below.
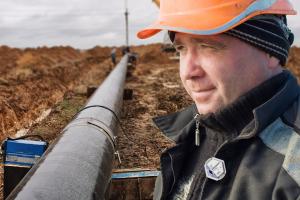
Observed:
{"x":79,"y":165}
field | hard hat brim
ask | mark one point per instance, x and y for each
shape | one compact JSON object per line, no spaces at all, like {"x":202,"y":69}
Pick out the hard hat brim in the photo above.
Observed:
{"x":148,"y":32}
{"x":215,"y":20}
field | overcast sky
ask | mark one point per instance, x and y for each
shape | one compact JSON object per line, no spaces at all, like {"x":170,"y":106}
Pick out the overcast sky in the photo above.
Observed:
{"x":82,"y":23}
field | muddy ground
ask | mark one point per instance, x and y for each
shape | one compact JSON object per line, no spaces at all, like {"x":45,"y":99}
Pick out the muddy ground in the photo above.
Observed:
{"x":42,"y":81}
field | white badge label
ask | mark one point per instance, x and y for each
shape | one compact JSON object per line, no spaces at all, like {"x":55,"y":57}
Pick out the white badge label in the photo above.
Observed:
{"x":215,"y":169}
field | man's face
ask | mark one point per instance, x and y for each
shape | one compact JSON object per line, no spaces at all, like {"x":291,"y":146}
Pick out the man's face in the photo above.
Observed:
{"x":216,"y":70}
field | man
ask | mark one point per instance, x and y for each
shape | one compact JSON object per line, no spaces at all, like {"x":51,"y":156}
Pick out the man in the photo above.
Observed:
{"x":241,"y":138}
{"x":113,"y":56}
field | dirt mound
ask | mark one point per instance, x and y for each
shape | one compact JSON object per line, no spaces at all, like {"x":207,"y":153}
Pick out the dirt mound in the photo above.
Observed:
{"x":33,"y":80}
{"x":98,"y":51}
{"x":150,"y":54}
{"x":8,"y":58}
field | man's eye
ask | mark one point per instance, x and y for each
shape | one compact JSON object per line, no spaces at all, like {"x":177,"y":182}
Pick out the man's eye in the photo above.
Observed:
{"x":203,"y":46}
{"x":179,"y":48}
{"x":206,"y":46}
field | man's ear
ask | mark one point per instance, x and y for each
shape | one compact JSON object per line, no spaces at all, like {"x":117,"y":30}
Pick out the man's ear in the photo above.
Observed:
{"x":273,"y":62}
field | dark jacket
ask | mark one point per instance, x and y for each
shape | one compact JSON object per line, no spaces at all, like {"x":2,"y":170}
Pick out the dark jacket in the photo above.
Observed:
{"x":262,"y":163}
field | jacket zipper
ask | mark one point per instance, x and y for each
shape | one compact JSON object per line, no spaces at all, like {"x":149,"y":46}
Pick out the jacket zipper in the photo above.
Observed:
{"x":197,"y":143}
{"x":173,"y":173}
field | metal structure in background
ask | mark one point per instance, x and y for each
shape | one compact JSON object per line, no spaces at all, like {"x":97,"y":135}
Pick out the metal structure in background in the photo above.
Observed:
{"x":79,"y":165}
{"x":126,"y":23}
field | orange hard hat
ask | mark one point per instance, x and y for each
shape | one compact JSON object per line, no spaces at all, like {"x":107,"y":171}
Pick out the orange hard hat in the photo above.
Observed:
{"x":208,"y":17}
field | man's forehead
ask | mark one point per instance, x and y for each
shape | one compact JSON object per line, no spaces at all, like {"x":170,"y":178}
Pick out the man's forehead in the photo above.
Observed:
{"x":210,"y":39}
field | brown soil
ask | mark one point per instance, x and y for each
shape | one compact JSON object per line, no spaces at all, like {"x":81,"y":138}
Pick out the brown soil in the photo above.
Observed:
{"x":34,"y":80}
{"x":156,"y":91}
{"x":294,"y":61}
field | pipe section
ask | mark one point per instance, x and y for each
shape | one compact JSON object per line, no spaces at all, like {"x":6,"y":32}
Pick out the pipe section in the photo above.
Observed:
{"x":79,"y":164}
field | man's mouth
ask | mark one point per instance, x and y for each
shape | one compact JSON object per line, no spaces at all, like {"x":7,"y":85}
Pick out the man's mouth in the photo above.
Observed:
{"x":206,"y":89}
{"x":203,"y":94}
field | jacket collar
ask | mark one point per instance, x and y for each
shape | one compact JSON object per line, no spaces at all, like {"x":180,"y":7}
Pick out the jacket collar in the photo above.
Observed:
{"x":173,"y":125}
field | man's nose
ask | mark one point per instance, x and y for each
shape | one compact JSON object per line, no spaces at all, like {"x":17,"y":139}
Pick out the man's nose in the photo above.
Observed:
{"x":192,"y":66}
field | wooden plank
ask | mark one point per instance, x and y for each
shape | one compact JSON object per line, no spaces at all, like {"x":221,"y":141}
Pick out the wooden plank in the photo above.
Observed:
{"x":139,"y":174}
{"x":137,"y":188}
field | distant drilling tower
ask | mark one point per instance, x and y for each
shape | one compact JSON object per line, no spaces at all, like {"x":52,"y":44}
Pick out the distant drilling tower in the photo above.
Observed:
{"x":126,"y":23}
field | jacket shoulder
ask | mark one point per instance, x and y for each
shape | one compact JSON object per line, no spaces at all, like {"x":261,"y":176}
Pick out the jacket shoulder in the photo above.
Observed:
{"x":292,"y":116}
{"x":286,"y":140}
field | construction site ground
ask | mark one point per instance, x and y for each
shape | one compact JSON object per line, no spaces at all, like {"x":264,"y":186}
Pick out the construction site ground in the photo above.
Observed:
{"x":41,"y":89}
